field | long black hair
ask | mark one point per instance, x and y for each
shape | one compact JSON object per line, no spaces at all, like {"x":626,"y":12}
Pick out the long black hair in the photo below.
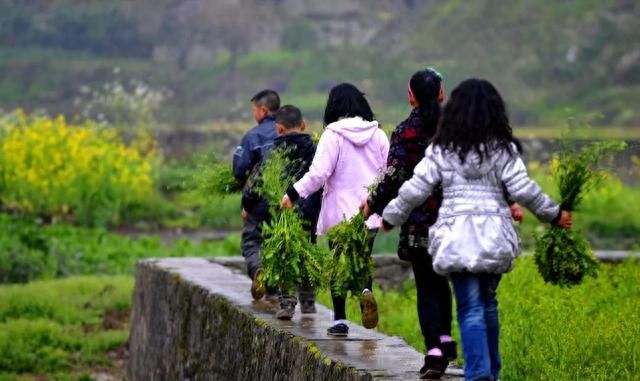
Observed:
{"x":346,"y":101}
{"x":475,"y":119}
{"x":425,"y":86}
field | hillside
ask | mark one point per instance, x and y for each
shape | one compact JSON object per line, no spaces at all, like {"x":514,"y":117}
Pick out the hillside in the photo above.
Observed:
{"x":551,"y":59}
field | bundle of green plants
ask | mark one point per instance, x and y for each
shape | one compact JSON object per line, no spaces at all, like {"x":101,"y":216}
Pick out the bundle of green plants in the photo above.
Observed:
{"x":564,"y":257}
{"x":352,"y":265}
{"x":215,"y":180}
{"x":289,"y":258}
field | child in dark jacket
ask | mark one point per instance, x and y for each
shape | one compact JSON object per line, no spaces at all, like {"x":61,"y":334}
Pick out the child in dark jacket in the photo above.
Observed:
{"x":300,"y":150}
{"x":409,"y":141}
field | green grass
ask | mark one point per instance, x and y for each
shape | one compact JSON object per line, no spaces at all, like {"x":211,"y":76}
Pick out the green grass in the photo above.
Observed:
{"x":591,"y":332}
{"x":586,"y":133}
{"x":605,"y":215}
{"x":59,"y":328}
{"x":30,"y":251}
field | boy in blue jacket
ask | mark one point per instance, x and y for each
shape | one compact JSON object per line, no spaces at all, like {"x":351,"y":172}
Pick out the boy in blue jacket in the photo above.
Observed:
{"x":254,"y":146}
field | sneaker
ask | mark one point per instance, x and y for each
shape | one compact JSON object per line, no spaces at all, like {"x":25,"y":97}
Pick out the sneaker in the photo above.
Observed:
{"x":307,"y":298}
{"x":338,"y":330}
{"x":369,"y":309}
{"x":307,"y":307}
{"x":286,"y":307}
{"x":449,"y":349}
{"x":272,"y":295}
{"x":257,"y":285}
{"x":433,"y":368}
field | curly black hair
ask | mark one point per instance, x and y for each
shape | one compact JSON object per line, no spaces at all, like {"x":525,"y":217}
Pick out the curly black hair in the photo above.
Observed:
{"x":346,"y":101}
{"x":475,"y":119}
{"x":425,"y":86}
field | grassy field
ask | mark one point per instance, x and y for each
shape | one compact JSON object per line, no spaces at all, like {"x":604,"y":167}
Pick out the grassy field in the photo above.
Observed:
{"x":29,"y":251}
{"x":591,"y":332}
{"x":64,"y":330}
{"x":74,"y":328}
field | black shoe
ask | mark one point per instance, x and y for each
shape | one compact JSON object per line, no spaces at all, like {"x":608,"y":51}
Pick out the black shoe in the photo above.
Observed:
{"x":257,"y":285}
{"x":338,"y":330}
{"x":449,"y":349}
{"x":433,"y":368}
{"x":272,"y":295}
{"x":308,"y":307}
{"x":307,"y":298}
{"x":286,"y":307}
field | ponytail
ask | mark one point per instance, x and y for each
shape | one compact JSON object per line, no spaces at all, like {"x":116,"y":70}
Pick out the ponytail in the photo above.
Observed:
{"x":425,"y":86}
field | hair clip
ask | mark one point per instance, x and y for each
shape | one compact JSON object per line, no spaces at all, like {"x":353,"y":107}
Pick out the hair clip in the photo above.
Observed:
{"x":436,"y":72}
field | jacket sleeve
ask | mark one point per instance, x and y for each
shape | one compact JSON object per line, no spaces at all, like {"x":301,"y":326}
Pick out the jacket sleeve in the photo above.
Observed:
{"x":396,"y":173}
{"x":523,"y":190}
{"x":413,"y":192}
{"x":250,"y":196}
{"x":244,"y":159}
{"x":322,"y":166}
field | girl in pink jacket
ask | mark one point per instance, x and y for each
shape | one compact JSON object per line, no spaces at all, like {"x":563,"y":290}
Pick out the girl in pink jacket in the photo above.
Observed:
{"x":351,"y":153}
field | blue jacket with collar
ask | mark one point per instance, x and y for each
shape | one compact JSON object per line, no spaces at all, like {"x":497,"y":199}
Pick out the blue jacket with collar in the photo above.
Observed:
{"x":254,"y":146}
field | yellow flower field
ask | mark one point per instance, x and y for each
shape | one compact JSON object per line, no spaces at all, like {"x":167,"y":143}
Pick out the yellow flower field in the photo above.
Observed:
{"x":85,"y":172}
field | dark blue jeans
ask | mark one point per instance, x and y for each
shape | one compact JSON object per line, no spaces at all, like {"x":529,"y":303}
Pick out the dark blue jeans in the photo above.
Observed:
{"x":479,"y":326}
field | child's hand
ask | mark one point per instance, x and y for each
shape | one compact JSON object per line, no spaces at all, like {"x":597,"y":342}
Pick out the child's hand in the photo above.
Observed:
{"x":516,"y":212}
{"x":286,"y":203}
{"x":365,"y":209}
{"x":566,"y":219}
{"x":244,"y":215}
{"x":387,"y":227}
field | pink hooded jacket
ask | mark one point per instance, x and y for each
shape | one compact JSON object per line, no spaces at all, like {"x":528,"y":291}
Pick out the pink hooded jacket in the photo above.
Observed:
{"x":351,"y":153}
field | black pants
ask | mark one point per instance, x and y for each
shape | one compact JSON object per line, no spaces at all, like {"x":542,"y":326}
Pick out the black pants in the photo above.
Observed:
{"x":434,"y":299}
{"x":251,"y":243}
{"x":339,"y":302}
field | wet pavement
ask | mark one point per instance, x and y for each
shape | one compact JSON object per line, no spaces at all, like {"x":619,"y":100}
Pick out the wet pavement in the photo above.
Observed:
{"x":381,"y":356}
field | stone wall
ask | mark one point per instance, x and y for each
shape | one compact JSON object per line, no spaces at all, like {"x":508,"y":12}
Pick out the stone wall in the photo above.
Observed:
{"x":195,"y":320}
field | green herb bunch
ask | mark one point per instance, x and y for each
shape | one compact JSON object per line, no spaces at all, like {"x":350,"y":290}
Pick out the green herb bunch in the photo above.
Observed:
{"x":275,"y":175}
{"x":289,"y":258}
{"x":215,"y":180}
{"x":564,"y":257}
{"x":352,"y":265}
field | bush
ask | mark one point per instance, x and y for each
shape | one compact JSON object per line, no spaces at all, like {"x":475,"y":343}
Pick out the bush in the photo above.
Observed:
{"x":30,"y":251}
{"x":85,"y":173}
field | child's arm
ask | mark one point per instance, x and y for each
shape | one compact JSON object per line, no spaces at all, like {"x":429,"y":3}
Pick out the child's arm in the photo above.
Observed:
{"x":413,"y":192}
{"x":243,"y":160}
{"x":525,"y":191}
{"x":396,"y":174}
{"x":322,"y":166}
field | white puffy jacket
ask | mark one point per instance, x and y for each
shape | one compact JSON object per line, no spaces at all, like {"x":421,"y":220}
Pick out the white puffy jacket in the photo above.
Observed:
{"x":474,"y":231}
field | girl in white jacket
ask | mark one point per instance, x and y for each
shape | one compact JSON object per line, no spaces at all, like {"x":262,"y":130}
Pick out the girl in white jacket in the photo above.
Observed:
{"x":475,"y":159}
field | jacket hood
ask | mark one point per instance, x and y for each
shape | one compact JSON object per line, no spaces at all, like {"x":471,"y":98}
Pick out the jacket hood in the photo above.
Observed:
{"x":356,"y":130}
{"x":301,"y":141}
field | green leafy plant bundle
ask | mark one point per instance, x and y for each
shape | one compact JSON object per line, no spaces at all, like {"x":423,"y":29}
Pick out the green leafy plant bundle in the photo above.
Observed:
{"x":564,"y":257}
{"x":215,"y":180}
{"x":352,"y":264}
{"x":289,"y":258}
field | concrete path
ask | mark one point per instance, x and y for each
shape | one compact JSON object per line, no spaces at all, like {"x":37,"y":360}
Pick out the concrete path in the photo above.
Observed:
{"x":383,"y":357}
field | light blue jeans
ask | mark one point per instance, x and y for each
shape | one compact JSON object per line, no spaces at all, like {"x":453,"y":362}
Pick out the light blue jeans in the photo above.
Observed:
{"x":479,"y":326}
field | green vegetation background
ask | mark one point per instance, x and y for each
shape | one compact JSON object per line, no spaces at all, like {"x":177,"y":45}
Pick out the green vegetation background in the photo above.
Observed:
{"x":550,"y":59}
